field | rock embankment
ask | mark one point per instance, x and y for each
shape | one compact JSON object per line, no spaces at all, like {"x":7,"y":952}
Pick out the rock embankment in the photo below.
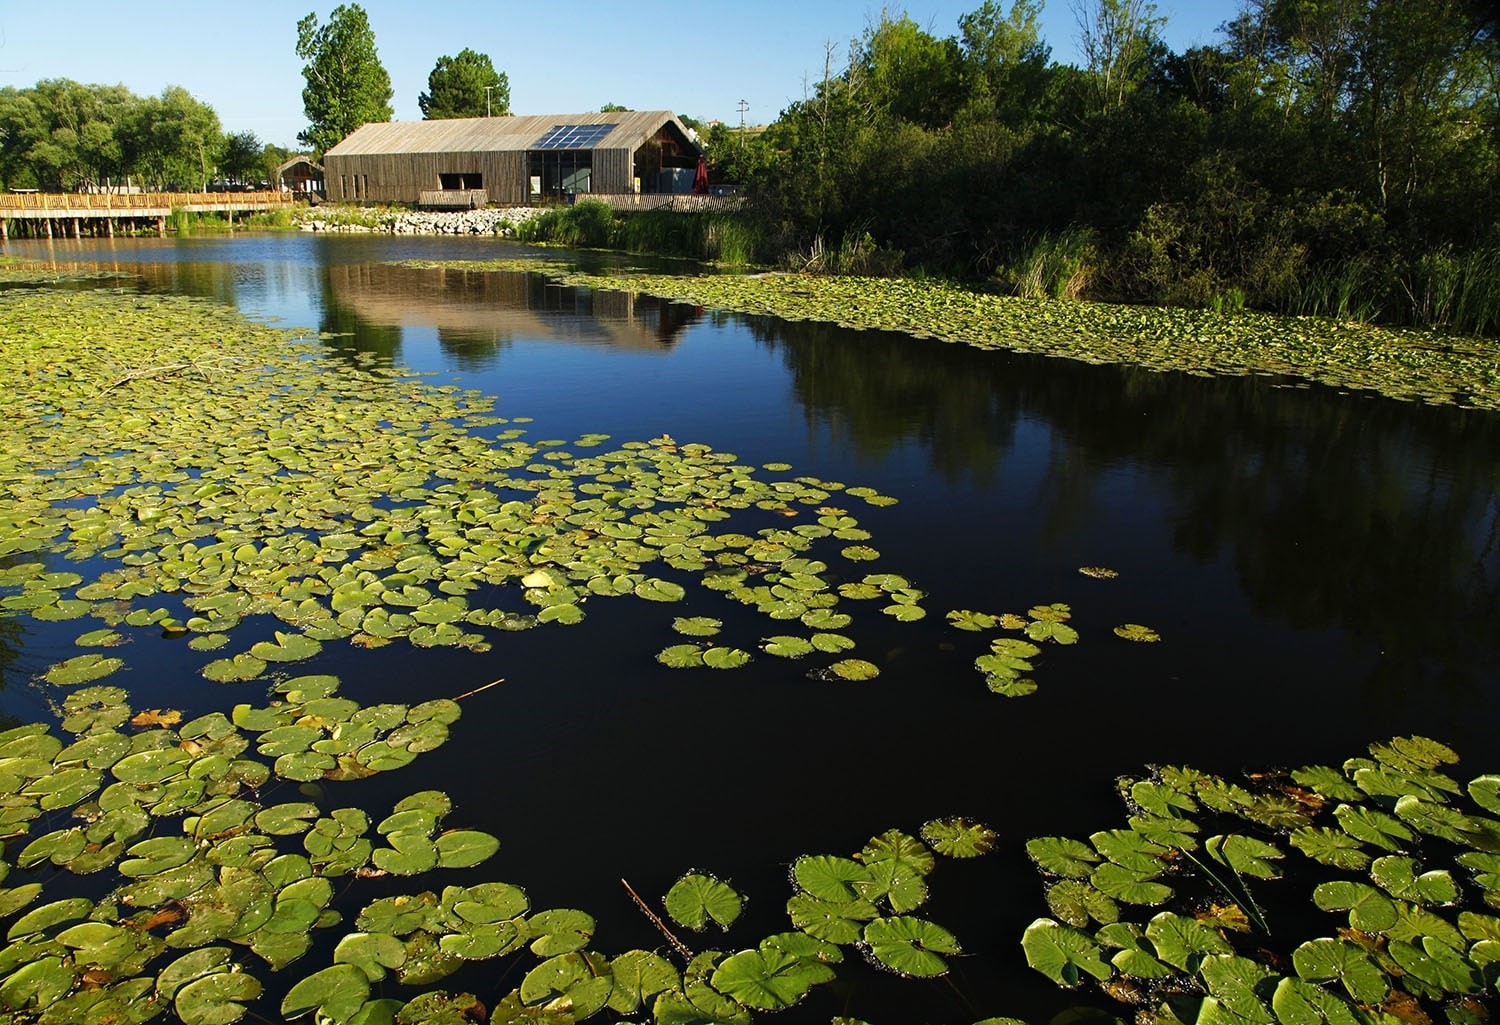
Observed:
{"x":500,"y":222}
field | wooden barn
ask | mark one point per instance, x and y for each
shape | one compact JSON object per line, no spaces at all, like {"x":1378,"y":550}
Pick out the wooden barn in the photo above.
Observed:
{"x":512,"y":161}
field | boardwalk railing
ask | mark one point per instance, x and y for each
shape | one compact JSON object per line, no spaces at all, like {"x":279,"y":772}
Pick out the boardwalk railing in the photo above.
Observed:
{"x":124,"y":204}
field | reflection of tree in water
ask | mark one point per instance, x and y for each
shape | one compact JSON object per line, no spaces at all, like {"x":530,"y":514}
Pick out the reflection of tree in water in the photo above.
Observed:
{"x":877,"y":391}
{"x":472,"y":350}
{"x":1376,"y":517}
{"x":348,"y":333}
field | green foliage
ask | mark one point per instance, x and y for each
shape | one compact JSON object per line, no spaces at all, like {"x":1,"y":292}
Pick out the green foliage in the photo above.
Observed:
{"x":60,"y":135}
{"x":465,"y":86}
{"x":1317,"y":159}
{"x":1402,"y":931}
{"x":347,"y":85}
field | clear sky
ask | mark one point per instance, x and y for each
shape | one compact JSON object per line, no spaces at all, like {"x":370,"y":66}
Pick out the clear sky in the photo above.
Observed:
{"x":697,"y":57}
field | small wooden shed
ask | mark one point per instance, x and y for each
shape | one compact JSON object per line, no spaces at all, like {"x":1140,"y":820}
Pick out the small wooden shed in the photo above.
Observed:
{"x":513,"y":160}
{"x":300,"y":174}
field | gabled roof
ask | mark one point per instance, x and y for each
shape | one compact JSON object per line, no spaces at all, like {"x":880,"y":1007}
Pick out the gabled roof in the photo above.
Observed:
{"x":510,"y":133}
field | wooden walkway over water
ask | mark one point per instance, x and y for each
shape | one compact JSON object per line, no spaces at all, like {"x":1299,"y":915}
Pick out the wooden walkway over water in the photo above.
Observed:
{"x":71,"y":214}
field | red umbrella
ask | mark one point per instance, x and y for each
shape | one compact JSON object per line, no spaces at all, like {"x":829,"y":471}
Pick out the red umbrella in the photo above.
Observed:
{"x":700,"y":180}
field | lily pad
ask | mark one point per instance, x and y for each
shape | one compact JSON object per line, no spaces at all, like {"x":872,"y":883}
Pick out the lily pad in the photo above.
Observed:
{"x":697,"y":899}
{"x":911,"y":947}
{"x":768,"y":979}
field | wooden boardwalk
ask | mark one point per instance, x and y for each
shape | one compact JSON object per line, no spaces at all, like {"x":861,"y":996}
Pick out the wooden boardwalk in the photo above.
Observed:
{"x":69,"y":214}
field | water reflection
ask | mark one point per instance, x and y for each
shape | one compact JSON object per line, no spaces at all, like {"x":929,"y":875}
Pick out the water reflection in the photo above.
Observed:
{"x":1377,"y":518}
{"x":478,"y":314}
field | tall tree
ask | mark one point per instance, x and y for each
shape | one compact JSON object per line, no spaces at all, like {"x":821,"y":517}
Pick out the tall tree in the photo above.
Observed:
{"x":465,"y":86}
{"x":1005,"y":59}
{"x":1117,"y":38}
{"x":347,"y":85}
{"x":241,"y":156}
{"x":900,"y":70}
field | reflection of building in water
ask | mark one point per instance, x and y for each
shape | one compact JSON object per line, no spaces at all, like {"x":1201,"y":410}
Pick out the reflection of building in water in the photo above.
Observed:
{"x":498,"y":306}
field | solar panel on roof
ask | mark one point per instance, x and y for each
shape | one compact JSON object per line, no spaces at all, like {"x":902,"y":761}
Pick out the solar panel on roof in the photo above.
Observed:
{"x":573,"y":136}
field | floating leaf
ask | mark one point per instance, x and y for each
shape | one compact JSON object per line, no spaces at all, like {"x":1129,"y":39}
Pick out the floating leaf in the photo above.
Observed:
{"x":1329,"y":960}
{"x":910,"y":946}
{"x":1062,"y":953}
{"x":725,"y":658}
{"x":964,"y":619}
{"x":82,"y":669}
{"x":768,"y":979}
{"x":336,"y":992}
{"x":959,"y":838}
{"x":681,"y":656}
{"x":1137,"y":632}
{"x":464,"y":848}
{"x":856,"y":669}
{"x":696,"y":899}
{"x":287,"y":648}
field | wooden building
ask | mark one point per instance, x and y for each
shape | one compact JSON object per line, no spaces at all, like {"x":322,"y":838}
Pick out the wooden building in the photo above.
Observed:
{"x":512,"y":160}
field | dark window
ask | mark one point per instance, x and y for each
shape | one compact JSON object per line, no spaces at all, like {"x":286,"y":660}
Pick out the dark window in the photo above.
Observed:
{"x":563,"y":172}
{"x":458,"y":182}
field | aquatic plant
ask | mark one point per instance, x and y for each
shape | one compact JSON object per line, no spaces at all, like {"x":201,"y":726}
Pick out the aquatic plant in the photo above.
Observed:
{"x":1190,"y":912}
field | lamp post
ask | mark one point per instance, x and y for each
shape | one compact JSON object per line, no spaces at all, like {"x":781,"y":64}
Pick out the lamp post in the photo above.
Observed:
{"x":487,"y":100}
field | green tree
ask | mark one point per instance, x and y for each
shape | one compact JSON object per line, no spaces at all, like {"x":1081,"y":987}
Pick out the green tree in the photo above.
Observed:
{"x":240,"y":156}
{"x":899,"y":70}
{"x":1005,"y":61}
{"x":465,"y":86}
{"x":1117,"y":38}
{"x":347,"y":85}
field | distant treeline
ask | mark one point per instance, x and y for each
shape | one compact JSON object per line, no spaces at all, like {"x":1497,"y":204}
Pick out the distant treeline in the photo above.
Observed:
{"x":61,"y":136}
{"x":1327,"y":156}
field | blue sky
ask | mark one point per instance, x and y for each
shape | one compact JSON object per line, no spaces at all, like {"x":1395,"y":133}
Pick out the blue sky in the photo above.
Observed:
{"x":697,"y":58}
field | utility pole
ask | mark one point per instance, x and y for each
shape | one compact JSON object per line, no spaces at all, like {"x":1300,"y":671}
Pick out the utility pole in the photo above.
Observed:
{"x":487,"y":100}
{"x":743,"y":107}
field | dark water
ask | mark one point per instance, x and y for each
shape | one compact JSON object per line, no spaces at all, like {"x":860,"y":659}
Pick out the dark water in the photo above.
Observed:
{"x":1324,"y":569}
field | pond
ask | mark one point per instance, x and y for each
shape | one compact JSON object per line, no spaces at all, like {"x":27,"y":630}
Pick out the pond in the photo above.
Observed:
{"x":1323,"y":569}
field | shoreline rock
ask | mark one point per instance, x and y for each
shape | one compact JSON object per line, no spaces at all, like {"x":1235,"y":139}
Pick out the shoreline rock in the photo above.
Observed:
{"x":500,"y":222}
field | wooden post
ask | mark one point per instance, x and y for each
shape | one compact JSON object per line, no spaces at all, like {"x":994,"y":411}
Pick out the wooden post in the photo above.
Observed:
{"x":77,"y":227}
{"x":4,"y":230}
{"x":47,"y":223}
{"x":109,"y":227}
{"x":161,"y":227}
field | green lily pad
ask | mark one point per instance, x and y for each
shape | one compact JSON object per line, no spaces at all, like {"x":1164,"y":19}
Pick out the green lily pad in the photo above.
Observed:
{"x":372,"y":953}
{"x":656,"y":589}
{"x":640,"y":975}
{"x":831,"y":878}
{"x":216,"y":999}
{"x":855,"y":669}
{"x":581,"y":980}
{"x":1137,"y":632}
{"x":725,"y":658}
{"x":1329,"y":960}
{"x":681,"y":656}
{"x":912,"y":947}
{"x":768,"y":979}
{"x":238,"y":669}
{"x":335,"y":993}
{"x":465,"y":848}
{"x":959,"y":838}
{"x":697,"y":899}
{"x":560,"y":931}
{"x":697,"y":626}
{"x":82,"y":669}
{"x":287,"y":648}
{"x":787,"y":646}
